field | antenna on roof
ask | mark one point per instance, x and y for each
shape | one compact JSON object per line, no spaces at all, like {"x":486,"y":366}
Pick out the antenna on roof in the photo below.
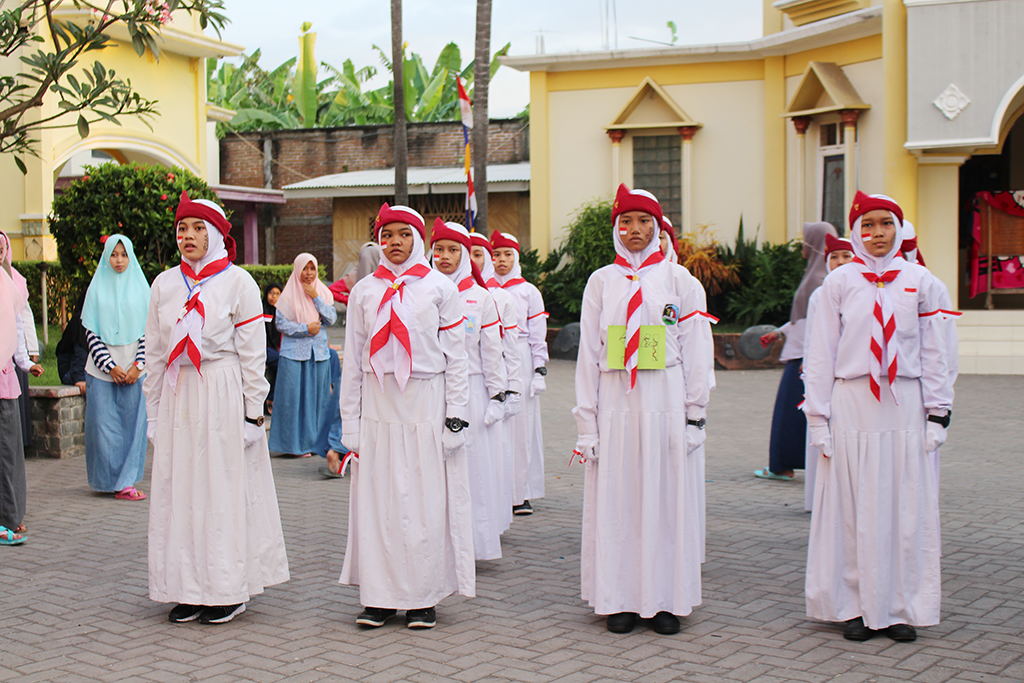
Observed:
{"x":609,"y":24}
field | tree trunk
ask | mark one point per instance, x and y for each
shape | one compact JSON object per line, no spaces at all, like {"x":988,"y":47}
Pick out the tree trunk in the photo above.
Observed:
{"x":481,"y":83}
{"x":401,"y":143}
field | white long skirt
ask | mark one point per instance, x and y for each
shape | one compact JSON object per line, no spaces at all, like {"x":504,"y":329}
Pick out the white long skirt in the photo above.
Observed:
{"x":483,"y":451}
{"x":214,"y":526}
{"x":874,"y":542}
{"x":527,"y":437}
{"x":410,"y":525}
{"x":811,"y":457}
{"x":641,"y":548}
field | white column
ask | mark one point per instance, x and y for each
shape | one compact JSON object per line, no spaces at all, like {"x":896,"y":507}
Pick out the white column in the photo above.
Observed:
{"x":616,"y":137}
{"x":687,"y":133}
{"x":849,"y":118}
{"x":800,"y":123}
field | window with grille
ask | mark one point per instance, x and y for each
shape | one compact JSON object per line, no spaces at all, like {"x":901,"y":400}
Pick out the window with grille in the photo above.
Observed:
{"x":657,"y":168}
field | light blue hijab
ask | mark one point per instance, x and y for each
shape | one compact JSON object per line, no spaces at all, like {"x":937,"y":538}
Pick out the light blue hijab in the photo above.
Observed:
{"x":117,"y":304}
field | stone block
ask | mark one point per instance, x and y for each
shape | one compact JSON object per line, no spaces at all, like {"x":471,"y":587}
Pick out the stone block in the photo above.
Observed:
{"x":58,"y":419}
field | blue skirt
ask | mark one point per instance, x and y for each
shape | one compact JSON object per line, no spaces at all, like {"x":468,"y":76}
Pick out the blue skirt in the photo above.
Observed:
{"x":115,"y":434}
{"x":302,"y":393}
{"x":789,"y":425}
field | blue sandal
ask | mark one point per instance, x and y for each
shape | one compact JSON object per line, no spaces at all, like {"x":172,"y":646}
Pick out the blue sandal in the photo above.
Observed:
{"x":768,"y":474}
{"x":8,"y":537}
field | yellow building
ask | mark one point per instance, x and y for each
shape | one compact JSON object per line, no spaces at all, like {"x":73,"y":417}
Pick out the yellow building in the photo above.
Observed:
{"x":838,"y":95}
{"x":179,"y":136}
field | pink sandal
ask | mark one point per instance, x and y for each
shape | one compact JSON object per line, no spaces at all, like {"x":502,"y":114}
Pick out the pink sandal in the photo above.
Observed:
{"x":130,"y":493}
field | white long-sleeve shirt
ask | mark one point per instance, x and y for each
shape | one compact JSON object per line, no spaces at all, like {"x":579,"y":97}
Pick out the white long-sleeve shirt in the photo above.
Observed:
{"x":483,"y":338}
{"x":437,"y":338}
{"x":840,"y":336}
{"x":687,"y":342}
{"x":234,"y":327}
{"x":532,"y":320}
{"x":509,"y":320}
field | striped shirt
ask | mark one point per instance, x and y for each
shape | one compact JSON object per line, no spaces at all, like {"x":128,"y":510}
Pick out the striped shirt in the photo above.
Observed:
{"x":101,"y":356}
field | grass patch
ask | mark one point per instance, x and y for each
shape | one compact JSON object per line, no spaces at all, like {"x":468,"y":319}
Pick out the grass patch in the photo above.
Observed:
{"x":47,"y":358}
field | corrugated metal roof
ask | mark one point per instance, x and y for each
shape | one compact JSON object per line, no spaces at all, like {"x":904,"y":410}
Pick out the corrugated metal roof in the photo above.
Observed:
{"x":500,"y":178}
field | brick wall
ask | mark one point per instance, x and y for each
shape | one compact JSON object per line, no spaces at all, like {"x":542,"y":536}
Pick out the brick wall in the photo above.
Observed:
{"x":306,"y":224}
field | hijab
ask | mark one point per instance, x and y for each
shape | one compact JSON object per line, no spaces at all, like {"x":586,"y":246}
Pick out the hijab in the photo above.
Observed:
{"x":466,"y":273}
{"x":10,"y":307}
{"x":117,"y":304}
{"x":273,"y":334}
{"x":817,"y":268}
{"x":17,"y":278}
{"x":294,"y":304}
{"x":503,"y":240}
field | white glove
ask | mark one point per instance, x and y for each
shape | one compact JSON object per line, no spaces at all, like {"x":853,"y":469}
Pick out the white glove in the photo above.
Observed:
{"x":151,"y":429}
{"x":253,"y":433}
{"x":495,"y":412}
{"x":821,"y":438}
{"x":513,"y":404}
{"x":538,"y":386}
{"x":934,"y":436}
{"x":586,"y":446}
{"x":695,"y":437}
{"x":452,"y":442}
{"x":350,"y":440}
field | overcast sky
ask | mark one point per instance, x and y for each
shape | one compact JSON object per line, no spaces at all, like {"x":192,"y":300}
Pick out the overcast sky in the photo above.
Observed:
{"x":347,"y":29}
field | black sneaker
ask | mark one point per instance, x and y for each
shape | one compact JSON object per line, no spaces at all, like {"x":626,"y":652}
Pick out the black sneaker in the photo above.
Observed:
{"x":524,"y":509}
{"x":183,"y":613}
{"x":375,"y":617}
{"x":665,"y":623}
{"x":856,"y":630}
{"x":421,"y":618}
{"x":221,"y":614}
{"x":902,"y":633}
{"x":623,"y":622}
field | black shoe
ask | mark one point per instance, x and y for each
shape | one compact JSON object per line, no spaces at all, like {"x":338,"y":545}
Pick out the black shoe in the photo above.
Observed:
{"x":524,"y":509}
{"x":183,"y":613}
{"x":902,"y":633}
{"x":421,"y":618}
{"x":375,"y":617}
{"x":665,"y":623}
{"x":856,"y":630}
{"x":221,"y":614}
{"x":623,"y":622}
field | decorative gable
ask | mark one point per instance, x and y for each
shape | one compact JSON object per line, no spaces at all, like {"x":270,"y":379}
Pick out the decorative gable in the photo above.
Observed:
{"x":651,"y":107}
{"x":824,"y":88}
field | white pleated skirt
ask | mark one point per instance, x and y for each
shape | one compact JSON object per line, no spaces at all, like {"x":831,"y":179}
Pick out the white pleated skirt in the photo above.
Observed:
{"x":483,"y":454}
{"x":643,"y":500}
{"x":874,"y":541}
{"x":214,"y":526}
{"x":410,"y":526}
{"x":527,"y":438}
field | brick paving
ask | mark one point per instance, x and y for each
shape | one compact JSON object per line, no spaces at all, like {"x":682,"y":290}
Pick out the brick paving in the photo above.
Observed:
{"x":74,"y":605}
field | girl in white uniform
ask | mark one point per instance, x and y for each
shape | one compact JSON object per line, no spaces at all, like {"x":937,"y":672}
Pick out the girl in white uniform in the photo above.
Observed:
{"x":487,"y":382}
{"x":878,"y":400}
{"x":404,"y":398}
{"x":215,"y":535}
{"x":643,"y":378}
{"x":527,"y":438}
{"x":481,"y":252}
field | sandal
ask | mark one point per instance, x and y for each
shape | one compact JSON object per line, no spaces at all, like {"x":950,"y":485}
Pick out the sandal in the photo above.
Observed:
{"x":768,"y":474}
{"x":130,"y":493}
{"x":8,"y":537}
{"x":22,"y":529}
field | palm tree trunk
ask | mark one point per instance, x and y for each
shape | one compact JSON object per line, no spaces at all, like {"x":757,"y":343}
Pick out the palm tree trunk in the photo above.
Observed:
{"x":481,"y":83}
{"x":401,"y":143}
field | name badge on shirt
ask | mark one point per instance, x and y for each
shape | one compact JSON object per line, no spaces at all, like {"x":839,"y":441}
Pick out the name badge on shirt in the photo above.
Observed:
{"x":470,"y":323}
{"x":670,"y":314}
{"x":651,"y":354}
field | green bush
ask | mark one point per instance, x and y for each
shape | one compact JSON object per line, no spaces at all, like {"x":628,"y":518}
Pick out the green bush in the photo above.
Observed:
{"x":136,"y":201}
{"x":770,"y":277}
{"x":587,"y":246}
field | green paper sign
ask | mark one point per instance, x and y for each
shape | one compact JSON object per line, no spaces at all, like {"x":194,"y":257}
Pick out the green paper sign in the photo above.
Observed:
{"x":652,"y":347}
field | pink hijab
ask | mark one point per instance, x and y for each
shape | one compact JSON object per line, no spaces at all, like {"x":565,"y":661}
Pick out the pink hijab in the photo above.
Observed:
{"x":294,"y":304}
{"x":12,"y":301}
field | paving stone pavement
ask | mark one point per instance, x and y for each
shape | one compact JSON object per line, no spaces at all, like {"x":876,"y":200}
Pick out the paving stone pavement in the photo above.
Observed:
{"x":74,"y":605}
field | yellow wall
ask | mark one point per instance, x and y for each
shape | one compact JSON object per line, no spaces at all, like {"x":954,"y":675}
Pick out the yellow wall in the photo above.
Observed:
{"x":728,"y":153}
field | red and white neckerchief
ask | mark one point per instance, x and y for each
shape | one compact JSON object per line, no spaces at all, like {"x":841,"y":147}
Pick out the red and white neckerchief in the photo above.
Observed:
{"x":512,"y":283}
{"x":633,"y":314}
{"x":883,"y":328}
{"x":389,"y":324}
{"x":466,"y":284}
{"x":187,"y":335}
